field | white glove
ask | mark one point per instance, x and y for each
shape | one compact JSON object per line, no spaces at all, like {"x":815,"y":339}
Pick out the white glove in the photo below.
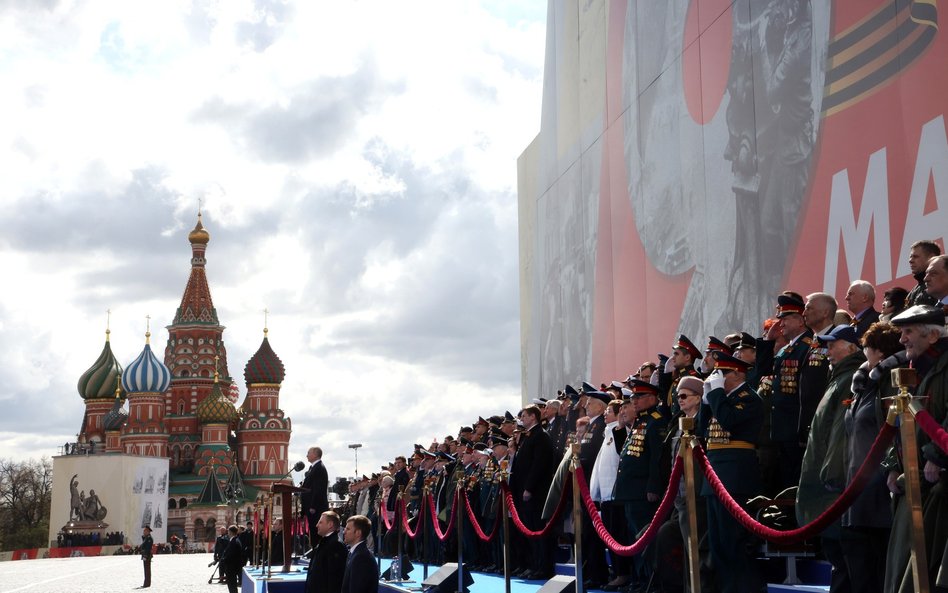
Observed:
{"x":654,"y":379}
{"x":715,"y":380}
{"x":669,"y":365}
{"x":707,"y":390}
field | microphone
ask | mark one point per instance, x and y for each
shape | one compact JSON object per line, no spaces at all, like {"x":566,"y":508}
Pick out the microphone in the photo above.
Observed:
{"x":300,"y":466}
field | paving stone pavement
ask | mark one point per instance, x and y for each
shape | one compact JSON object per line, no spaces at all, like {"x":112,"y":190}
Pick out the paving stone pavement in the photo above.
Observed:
{"x":170,"y":573}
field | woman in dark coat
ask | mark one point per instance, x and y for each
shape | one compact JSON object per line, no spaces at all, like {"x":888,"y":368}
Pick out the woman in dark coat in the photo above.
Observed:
{"x":867,"y":522}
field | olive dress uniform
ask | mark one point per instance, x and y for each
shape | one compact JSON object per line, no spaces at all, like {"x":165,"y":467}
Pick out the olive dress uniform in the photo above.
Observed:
{"x":786,"y":367}
{"x":730,"y":424}
{"x":642,"y":472}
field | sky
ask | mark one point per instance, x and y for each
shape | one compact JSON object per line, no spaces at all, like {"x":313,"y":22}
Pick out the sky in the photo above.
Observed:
{"x":355,"y":163}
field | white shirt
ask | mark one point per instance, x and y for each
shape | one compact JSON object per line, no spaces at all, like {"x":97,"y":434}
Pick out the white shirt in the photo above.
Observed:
{"x":603,"y":480}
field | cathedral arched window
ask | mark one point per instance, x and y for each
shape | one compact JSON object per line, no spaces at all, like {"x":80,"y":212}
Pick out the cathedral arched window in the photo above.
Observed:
{"x":205,"y":373}
{"x":183,"y":503}
{"x":181,"y":407}
{"x":172,"y":504}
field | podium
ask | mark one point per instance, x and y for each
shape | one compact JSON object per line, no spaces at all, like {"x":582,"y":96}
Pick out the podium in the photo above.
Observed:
{"x":286,"y":492}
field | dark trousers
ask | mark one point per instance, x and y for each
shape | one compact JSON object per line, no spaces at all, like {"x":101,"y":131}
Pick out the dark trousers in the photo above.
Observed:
{"x":638,"y":514}
{"x":839,"y":577}
{"x":541,"y":549}
{"x":232,"y":580}
{"x":613,"y":517}
{"x":594,"y":554}
{"x":864,"y":550}
{"x":146,"y":564}
{"x":731,"y":553}
{"x":789,"y":462}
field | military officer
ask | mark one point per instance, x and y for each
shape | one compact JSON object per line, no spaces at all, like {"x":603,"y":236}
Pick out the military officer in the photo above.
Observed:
{"x":641,"y":477}
{"x":786,"y":367}
{"x":729,"y":420}
{"x":681,"y":364}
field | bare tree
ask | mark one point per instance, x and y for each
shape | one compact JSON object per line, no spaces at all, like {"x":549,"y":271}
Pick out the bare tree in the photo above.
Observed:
{"x":25,"y":495}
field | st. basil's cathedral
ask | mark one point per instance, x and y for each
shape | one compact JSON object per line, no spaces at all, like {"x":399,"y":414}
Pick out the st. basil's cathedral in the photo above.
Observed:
{"x":219,"y":456}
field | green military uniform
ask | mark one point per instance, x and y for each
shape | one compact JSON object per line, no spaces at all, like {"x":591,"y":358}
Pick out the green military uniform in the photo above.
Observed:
{"x":641,"y":470}
{"x":823,"y":475}
{"x":730,"y":424}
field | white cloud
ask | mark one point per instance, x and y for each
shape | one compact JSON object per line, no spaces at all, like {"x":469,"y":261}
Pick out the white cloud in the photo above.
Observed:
{"x":357,"y":163}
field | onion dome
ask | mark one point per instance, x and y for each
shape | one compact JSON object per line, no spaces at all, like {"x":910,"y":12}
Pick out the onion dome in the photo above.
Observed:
{"x":98,"y":382}
{"x":233,"y":393}
{"x":199,"y":234}
{"x":115,"y":418}
{"x":216,"y":408}
{"x":146,"y":374}
{"x":264,"y":366}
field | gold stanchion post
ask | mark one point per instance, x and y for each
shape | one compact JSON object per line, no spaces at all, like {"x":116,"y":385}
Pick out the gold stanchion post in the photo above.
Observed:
{"x":269,"y":528}
{"x":577,"y":518}
{"x":685,"y":446}
{"x":506,"y":518}
{"x":905,"y":379}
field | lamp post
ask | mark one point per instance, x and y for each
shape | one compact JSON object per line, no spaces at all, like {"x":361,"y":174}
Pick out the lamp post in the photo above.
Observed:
{"x":355,"y":449}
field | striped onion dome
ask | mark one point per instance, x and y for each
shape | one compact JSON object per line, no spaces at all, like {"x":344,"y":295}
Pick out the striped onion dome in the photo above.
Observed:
{"x":116,"y":417}
{"x":98,"y":382}
{"x":264,"y":366}
{"x":146,"y":374}
{"x":216,"y":408}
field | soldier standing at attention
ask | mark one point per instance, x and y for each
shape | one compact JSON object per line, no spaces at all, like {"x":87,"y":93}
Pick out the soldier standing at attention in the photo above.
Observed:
{"x":641,"y":477}
{"x":147,"y":545}
{"x":729,"y":420}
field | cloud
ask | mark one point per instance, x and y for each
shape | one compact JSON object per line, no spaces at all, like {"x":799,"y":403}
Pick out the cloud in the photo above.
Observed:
{"x":356,"y":165}
{"x":311,"y":122}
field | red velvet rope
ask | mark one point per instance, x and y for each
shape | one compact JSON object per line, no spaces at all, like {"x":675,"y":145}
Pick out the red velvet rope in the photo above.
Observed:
{"x":404,"y":513}
{"x":661,"y":514}
{"x":473,"y":520}
{"x":515,"y":517}
{"x":869,"y":466}
{"x":384,"y":515}
{"x":443,"y":535}
{"x":932,"y":429}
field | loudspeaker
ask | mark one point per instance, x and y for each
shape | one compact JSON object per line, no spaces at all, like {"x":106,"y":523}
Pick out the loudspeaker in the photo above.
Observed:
{"x":445,"y":580}
{"x":560,"y":583}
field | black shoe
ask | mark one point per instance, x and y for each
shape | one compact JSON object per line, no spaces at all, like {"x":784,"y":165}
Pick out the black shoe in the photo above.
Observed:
{"x":590,"y":585}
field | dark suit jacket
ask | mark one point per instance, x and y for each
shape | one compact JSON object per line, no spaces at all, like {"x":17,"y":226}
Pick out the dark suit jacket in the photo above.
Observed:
{"x":596,"y":434}
{"x":362,"y":573}
{"x":233,"y":557}
{"x":401,"y":479}
{"x":317,"y":481}
{"x":868,"y":318}
{"x":535,"y":463}
{"x":327,"y":566}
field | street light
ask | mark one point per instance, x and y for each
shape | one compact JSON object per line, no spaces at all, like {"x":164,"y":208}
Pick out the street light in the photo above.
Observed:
{"x":355,"y":449}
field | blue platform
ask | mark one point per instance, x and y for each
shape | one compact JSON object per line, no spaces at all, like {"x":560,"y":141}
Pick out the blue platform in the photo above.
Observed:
{"x":255,"y":581}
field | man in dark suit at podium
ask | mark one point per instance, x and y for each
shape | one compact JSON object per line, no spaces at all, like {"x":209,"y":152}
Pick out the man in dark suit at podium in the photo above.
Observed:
{"x":316,"y":501}
{"x":362,"y":573}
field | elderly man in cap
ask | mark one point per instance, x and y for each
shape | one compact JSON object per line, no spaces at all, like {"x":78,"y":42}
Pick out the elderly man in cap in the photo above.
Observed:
{"x":642,"y":477}
{"x":680,"y":364}
{"x":595,"y":570}
{"x":729,"y":420}
{"x":823,"y":474}
{"x":926,"y":344}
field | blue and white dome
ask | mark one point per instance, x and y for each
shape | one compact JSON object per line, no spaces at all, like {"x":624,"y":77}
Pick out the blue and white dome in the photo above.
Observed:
{"x":146,"y":374}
